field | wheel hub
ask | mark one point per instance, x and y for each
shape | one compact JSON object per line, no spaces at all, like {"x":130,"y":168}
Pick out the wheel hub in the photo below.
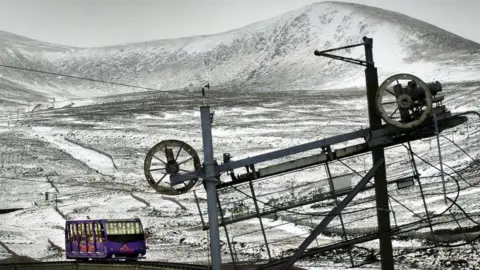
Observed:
{"x":404,"y":101}
{"x":172,"y":168}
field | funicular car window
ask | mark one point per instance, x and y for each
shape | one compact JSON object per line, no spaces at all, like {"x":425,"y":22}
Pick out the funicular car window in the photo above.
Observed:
{"x":138,"y":228}
{"x":73,"y":231}
{"x":89,"y":232}
{"x":98,"y":233}
{"x":126,"y":231}
{"x":81,"y":232}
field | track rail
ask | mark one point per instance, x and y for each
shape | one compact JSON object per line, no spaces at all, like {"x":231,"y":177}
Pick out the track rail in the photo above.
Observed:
{"x":80,"y":265}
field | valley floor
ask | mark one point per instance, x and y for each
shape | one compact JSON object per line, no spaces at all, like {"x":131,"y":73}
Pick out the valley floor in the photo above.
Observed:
{"x":70,"y":163}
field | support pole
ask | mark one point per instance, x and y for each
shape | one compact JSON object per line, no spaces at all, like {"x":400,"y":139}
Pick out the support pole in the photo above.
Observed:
{"x":334,"y":194}
{"x":440,"y":158}
{"x":226,"y":232}
{"x":209,"y":171}
{"x":415,"y":171}
{"x":260,"y":219}
{"x":198,"y":207}
{"x":381,"y":190}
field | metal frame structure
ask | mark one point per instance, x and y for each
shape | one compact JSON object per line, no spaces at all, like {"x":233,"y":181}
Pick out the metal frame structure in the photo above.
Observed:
{"x":376,"y":137}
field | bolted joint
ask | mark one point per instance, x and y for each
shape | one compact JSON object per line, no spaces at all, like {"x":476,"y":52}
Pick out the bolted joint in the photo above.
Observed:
{"x":381,"y":209}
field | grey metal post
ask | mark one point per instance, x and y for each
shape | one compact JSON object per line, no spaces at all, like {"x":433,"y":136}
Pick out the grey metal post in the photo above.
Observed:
{"x":381,"y":190}
{"x":260,"y":218}
{"x":209,"y":172}
{"x":334,"y":194}
{"x":440,"y":158}
{"x":226,"y":232}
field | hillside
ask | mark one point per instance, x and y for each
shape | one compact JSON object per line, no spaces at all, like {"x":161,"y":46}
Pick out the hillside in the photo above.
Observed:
{"x":272,"y":54}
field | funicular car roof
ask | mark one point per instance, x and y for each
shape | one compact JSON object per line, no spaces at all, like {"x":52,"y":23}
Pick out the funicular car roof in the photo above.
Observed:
{"x":104,"y":220}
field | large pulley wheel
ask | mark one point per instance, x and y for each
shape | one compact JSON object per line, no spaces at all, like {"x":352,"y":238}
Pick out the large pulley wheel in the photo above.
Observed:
{"x":170,"y":157}
{"x":406,"y":103}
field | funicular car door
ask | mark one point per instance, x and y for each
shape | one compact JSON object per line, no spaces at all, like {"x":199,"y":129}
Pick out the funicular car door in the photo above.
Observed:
{"x":88,"y":239}
{"x":68,"y":239}
{"x":82,"y":238}
{"x":97,"y":241}
{"x":74,"y":237}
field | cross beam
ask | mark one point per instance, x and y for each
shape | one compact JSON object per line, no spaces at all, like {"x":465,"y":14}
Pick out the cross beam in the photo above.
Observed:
{"x":333,"y":213}
{"x":379,"y":137}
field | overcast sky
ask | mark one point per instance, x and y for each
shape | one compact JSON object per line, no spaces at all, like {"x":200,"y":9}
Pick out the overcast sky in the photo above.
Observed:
{"x":88,"y":23}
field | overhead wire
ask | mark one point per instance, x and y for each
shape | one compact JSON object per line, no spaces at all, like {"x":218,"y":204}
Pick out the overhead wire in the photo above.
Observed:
{"x":423,"y":220}
{"x":175,"y":91}
{"x":453,"y":203}
{"x":283,"y":110}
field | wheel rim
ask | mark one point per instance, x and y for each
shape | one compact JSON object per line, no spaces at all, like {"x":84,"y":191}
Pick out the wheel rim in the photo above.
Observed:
{"x":413,"y":104}
{"x":170,"y":157}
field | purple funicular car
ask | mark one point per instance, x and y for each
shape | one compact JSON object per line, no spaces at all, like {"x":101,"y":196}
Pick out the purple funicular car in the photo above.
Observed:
{"x":102,"y":239}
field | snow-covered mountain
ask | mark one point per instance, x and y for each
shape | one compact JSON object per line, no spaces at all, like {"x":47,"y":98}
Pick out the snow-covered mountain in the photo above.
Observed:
{"x":273,"y":54}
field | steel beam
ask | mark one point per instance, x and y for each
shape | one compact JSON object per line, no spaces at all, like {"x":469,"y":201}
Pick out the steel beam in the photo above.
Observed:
{"x":380,"y":137}
{"x":292,"y":150}
{"x":378,"y":154}
{"x":315,"y":250}
{"x":437,"y":133}
{"x":278,"y":208}
{"x":333,"y":213}
{"x":384,"y":141}
{"x":210,"y":187}
{"x":363,"y":133}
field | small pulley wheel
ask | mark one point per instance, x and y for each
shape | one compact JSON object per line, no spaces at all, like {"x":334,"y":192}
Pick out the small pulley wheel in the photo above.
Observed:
{"x":406,"y":103}
{"x":171,"y":157}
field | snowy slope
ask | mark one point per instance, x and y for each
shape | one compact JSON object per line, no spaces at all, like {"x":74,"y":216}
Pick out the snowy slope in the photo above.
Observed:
{"x":37,"y":155}
{"x":272,"y":54}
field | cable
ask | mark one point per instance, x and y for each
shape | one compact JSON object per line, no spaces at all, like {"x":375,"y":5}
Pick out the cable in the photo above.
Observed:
{"x":461,"y":149}
{"x":468,"y":242}
{"x":293,"y":212}
{"x":356,"y":172}
{"x":89,"y":79}
{"x":177,"y":92}
{"x":428,"y":163}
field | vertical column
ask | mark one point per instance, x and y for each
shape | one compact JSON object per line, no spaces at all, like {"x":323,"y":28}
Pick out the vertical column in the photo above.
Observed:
{"x":440,"y":158}
{"x":259,"y":216}
{"x":209,"y":174}
{"x":381,"y":190}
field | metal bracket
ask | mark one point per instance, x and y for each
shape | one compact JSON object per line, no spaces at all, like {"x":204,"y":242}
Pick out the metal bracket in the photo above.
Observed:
{"x":383,"y":209}
{"x":325,"y":53}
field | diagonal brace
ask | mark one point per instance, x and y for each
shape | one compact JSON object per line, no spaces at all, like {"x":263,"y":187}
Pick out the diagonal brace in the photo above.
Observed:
{"x":332,"y":214}
{"x":346,"y":59}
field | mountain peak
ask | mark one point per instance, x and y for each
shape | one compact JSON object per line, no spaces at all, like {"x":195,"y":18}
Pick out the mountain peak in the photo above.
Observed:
{"x":273,"y":54}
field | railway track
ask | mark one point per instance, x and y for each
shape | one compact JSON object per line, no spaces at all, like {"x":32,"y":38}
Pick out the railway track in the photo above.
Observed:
{"x":101,"y":265}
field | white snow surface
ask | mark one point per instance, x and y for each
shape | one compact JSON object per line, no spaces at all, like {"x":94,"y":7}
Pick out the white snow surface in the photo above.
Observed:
{"x":248,"y":68}
{"x":35,"y":151}
{"x":275,"y":54}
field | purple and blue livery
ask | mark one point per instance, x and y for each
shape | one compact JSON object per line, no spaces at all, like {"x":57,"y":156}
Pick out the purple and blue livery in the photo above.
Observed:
{"x":102,"y":239}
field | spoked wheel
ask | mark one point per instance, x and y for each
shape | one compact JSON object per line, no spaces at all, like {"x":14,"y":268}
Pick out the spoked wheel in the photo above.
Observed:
{"x":407,"y":103}
{"x":168,"y":158}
